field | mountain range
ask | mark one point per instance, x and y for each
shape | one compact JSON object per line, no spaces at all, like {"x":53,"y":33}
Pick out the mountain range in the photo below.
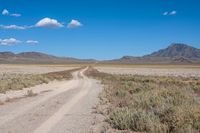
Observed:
{"x":174,"y":54}
{"x":37,"y":58}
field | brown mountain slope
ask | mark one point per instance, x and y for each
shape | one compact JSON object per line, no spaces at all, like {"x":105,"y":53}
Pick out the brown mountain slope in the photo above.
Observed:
{"x":178,"y":50}
{"x":174,"y":54}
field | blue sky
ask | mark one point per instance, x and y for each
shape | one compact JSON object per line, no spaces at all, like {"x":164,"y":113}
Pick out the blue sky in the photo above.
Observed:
{"x":100,"y":29}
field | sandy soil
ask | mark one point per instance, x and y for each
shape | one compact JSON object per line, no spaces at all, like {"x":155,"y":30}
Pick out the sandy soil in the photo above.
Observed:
{"x":186,"y":72}
{"x":59,"y":107}
{"x":31,"y":69}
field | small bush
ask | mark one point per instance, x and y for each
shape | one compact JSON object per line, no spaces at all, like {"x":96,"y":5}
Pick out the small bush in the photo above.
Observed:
{"x":121,"y":93}
{"x":137,"y":120}
{"x":30,"y":93}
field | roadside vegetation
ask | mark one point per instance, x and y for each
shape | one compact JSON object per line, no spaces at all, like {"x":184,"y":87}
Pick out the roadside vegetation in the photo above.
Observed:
{"x":20,"y":81}
{"x":152,"y":104}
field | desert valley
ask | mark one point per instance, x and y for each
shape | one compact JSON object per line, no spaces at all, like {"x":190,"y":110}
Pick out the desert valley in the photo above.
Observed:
{"x":73,"y":95}
{"x":99,"y":66}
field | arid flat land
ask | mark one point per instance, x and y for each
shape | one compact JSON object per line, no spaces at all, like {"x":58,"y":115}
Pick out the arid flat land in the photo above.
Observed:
{"x":33,"y":69}
{"x":154,"y":70}
{"x":72,"y":98}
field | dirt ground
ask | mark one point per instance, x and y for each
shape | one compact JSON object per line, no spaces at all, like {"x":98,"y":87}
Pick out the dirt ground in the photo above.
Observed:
{"x":156,"y":71}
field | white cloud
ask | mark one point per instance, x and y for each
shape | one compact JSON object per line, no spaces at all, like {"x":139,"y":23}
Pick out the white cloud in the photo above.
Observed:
{"x":16,"y":15}
{"x":5,"y":12}
{"x":170,"y":13}
{"x":165,"y":13}
{"x":13,"y":41}
{"x":173,"y":13}
{"x":45,"y":22}
{"x":9,"y":42}
{"x":48,"y":22}
{"x":74,"y":24}
{"x":14,"y":27}
{"x":32,"y":42}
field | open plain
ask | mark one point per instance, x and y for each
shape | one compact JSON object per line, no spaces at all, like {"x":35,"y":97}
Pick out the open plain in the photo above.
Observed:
{"x":33,"y":69}
{"x":102,"y":98}
{"x":154,"y":70}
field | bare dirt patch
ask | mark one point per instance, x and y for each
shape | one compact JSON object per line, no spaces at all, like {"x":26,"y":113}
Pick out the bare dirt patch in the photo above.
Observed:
{"x":1,"y":103}
{"x":158,"y":71}
{"x":32,"y":69}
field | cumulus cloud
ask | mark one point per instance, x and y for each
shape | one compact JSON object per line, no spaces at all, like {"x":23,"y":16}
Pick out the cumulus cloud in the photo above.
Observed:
{"x":48,"y":22}
{"x":170,"y":13}
{"x":5,"y":12}
{"x":14,"y":27}
{"x":32,"y":42}
{"x":74,"y":24}
{"x":45,"y":22}
{"x":9,"y":42}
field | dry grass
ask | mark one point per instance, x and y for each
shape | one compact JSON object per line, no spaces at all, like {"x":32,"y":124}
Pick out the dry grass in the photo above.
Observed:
{"x":20,"y":81}
{"x":153,"y":104}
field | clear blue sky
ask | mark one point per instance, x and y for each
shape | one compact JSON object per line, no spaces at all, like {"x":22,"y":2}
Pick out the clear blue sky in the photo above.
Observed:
{"x":107,"y":29}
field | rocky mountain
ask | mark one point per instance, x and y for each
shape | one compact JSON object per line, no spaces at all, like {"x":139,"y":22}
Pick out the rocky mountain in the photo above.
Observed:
{"x":175,"y":53}
{"x":6,"y":54}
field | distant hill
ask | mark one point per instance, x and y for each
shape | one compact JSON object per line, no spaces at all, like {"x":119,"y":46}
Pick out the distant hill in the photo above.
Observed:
{"x":37,"y":58}
{"x":177,"y":51}
{"x":176,"y":54}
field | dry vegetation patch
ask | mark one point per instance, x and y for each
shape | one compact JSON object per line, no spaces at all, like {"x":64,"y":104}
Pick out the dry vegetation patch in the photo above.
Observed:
{"x":154,"y":104}
{"x":20,"y":81}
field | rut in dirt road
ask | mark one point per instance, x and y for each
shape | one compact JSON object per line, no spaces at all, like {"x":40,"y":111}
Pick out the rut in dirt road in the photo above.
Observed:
{"x":65,"y":109}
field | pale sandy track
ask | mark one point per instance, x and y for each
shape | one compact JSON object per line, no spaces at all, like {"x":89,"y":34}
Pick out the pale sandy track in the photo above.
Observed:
{"x":65,"y":109}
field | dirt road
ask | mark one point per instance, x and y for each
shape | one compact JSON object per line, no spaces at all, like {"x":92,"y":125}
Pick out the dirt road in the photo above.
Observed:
{"x":65,"y":108}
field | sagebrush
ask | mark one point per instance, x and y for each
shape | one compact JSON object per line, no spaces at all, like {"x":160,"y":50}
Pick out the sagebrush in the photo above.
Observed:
{"x":153,"y":104}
